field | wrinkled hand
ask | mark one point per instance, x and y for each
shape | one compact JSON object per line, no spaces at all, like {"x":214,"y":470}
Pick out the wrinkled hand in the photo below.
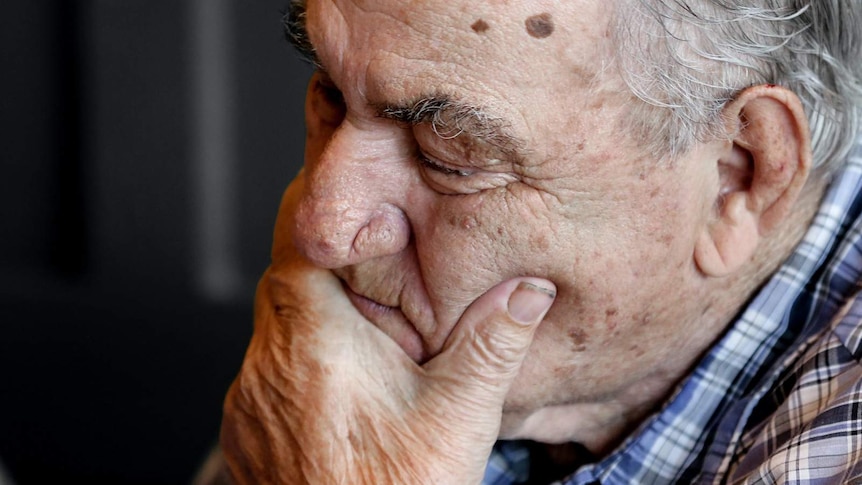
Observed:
{"x":324,"y":397}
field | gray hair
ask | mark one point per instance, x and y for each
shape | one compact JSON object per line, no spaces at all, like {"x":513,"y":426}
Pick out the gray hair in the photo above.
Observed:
{"x":685,"y":59}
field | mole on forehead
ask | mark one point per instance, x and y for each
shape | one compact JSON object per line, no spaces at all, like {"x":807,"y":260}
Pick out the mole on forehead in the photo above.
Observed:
{"x":540,"y":26}
{"x":480,"y":26}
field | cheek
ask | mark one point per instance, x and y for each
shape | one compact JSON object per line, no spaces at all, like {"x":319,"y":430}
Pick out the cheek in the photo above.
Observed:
{"x":467,"y":245}
{"x":460,"y":252}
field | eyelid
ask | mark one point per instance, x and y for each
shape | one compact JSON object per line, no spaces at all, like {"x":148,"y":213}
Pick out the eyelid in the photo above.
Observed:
{"x":433,"y":165}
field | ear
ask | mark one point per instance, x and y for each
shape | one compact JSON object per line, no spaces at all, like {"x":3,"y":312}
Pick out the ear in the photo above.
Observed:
{"x":761,"y":173}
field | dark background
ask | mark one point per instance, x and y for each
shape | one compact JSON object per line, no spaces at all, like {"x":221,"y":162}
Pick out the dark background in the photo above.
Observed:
{"x":144,"y":145}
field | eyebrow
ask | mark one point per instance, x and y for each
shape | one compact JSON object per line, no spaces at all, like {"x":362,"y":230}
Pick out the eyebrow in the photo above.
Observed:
{"x":296,"y":33}
{"x":450,"y":118}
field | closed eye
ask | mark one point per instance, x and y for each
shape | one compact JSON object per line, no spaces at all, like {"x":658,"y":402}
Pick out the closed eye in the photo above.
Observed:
{"x":427,"y":162}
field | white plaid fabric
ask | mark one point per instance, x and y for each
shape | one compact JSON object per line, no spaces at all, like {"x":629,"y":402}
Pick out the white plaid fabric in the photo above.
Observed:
{"x":779,"y":398}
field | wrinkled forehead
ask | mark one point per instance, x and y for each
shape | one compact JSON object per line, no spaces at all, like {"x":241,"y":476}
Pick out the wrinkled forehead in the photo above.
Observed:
{"x":525,"y":41}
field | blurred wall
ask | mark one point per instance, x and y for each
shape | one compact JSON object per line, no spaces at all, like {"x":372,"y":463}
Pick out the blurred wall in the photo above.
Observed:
{"x":145,"y":145}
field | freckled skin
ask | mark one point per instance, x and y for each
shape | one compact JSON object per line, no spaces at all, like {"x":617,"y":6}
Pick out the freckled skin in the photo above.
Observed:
{"x":579,"y":339}
{"x":541,"y":242}
{"x":540,"y":26}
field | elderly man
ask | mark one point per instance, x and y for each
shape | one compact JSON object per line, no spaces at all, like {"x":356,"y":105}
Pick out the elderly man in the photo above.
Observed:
{"x":582,"y":240}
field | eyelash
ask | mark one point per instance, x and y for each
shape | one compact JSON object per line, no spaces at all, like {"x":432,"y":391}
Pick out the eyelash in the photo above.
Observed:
{"x":427,"y":162}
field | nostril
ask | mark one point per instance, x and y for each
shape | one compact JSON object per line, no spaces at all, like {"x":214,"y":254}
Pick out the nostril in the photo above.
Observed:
{"x":387,"y":232}
{"x":332,"y":237}
{"x":376,"y":235}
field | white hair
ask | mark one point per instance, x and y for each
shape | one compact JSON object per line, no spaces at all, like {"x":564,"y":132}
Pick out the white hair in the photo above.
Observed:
{"x":685,"y":59}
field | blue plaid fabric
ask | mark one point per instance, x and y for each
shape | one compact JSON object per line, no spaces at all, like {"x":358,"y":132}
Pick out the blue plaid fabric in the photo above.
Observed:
{"x":779,"y":398}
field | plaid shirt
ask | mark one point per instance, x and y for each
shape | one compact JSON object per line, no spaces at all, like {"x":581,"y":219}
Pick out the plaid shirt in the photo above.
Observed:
{"x":779,"y":398}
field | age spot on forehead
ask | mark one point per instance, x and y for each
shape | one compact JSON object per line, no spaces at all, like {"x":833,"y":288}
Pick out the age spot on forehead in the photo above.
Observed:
{"x":480,"y":26}
{"x":540,"y":26}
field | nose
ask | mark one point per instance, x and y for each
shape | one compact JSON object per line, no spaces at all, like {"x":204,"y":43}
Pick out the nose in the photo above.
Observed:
{"x":350,"y":209}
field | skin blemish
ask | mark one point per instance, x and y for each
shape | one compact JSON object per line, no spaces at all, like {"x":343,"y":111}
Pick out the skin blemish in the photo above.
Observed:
{"x":540,"y":26}
{"x":611,"y":319}
{"x":467,"y":221}
{"x":540,"y":242}
{"x":470,"y":222}
{"x":566,"y":371}
{"x":480,"y":26}
{"x":579,"y":339}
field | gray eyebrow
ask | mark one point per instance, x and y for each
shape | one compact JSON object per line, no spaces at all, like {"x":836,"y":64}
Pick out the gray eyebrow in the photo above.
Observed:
{"x":296,"y":33}
{"x":450,"y":118}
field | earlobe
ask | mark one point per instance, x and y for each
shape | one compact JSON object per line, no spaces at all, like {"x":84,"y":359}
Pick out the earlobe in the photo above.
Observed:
{"x":761,"y":174}
{"x":729,"y":242}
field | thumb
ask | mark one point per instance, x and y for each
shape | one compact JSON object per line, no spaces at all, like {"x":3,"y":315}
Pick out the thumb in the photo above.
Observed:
{"x":484,"y":352}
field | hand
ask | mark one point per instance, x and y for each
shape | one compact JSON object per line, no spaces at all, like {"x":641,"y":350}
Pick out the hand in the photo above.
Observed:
{"x":324,"y":397}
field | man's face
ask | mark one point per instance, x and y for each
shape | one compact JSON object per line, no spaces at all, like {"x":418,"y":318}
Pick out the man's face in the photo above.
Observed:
{"x":453,"y":145}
